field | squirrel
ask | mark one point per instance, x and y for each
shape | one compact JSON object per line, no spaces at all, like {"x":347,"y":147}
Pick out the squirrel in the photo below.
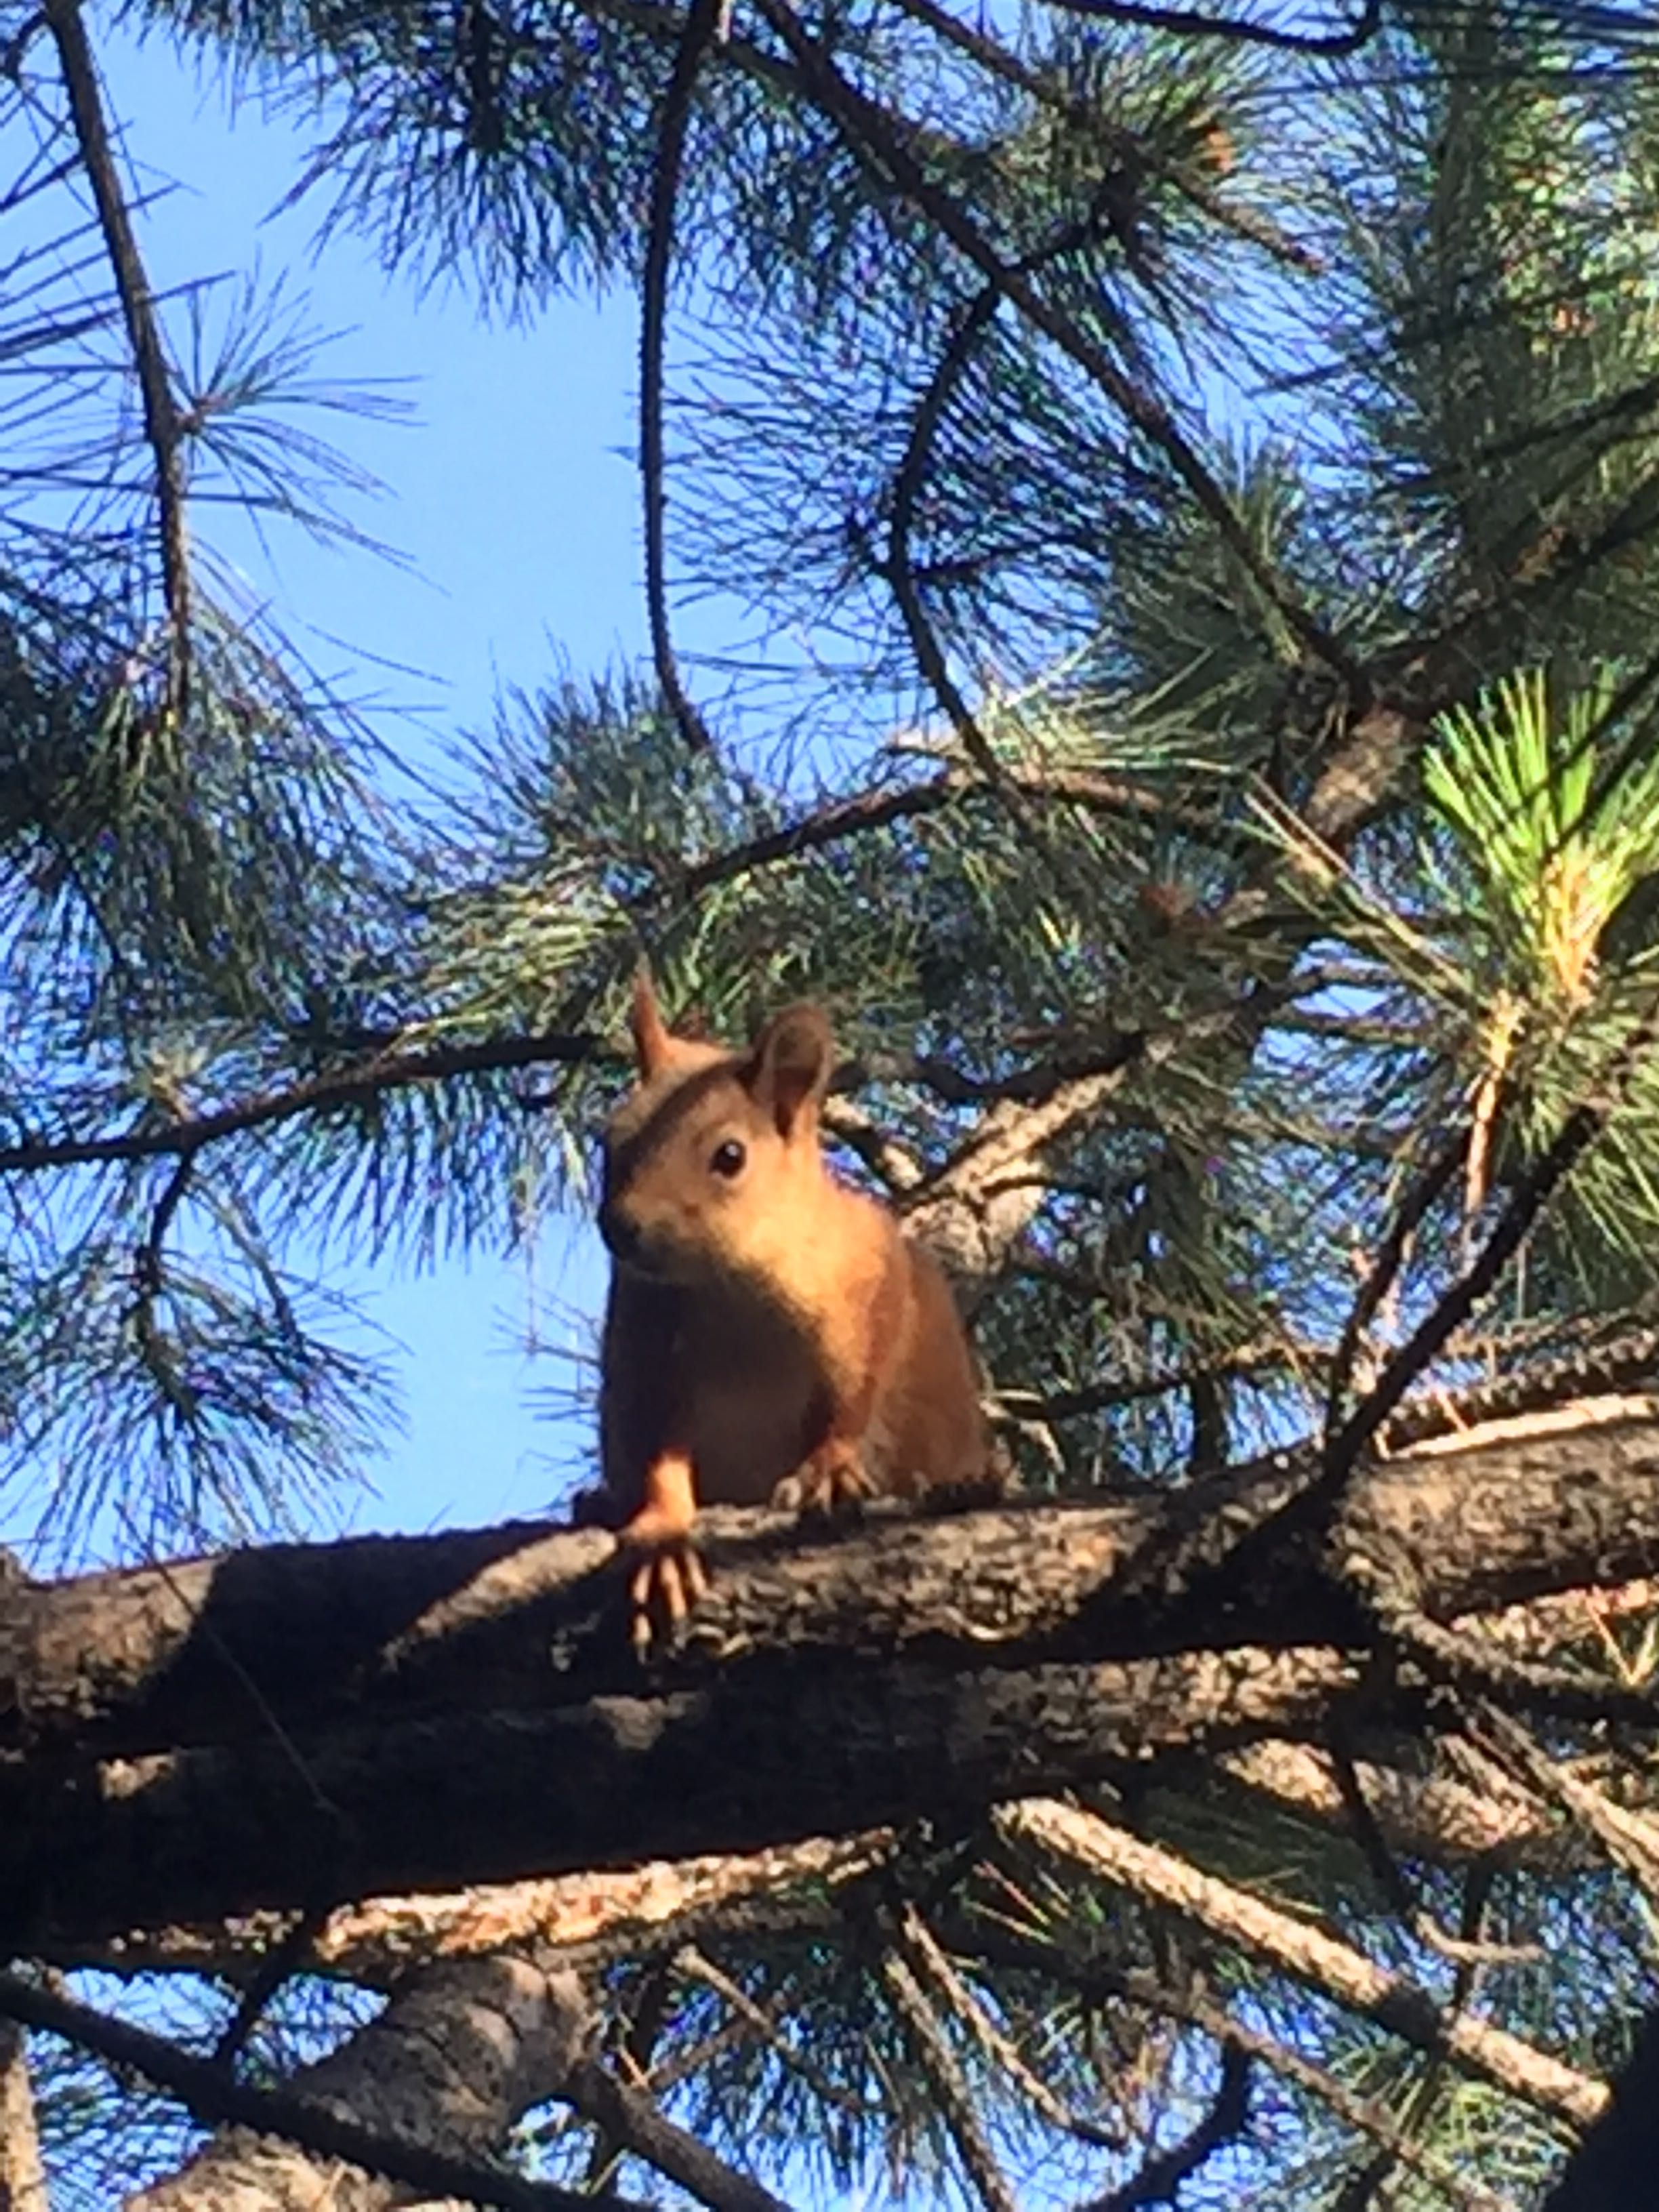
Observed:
{"x":770,"y":1335}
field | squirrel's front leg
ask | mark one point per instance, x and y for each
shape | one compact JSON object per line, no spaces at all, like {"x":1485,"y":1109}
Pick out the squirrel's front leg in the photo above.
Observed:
{"x":670,"y":1579}
{"x":838,"y":1474}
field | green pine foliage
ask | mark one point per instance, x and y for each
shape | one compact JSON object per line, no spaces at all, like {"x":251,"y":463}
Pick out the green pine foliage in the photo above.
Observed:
{"x":1186,"y":505}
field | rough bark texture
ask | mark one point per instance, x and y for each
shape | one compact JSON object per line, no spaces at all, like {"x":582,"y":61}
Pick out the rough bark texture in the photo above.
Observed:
{"x":452,"y":2062}
{"x":22,"y":2182}
{"x":748,"y":1761}
{"x":303,"y":1725}
{"x":588,"y":1920}
{"x":202,"y":1650}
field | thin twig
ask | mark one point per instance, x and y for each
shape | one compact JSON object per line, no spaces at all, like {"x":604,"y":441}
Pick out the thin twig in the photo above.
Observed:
{"x":1430,"y":1187}
{"x":869,"y":127}
{"x":345,"y":1086}
{"x":692,"y":1961}
{"x":1359,"y":2192}
{"x":1100,"y":1397}
{"x":633,"y":2119}
{"x":870,"y":810}
{"x":1630,"y":1840}
{"x":1306,"y":1953}
{"x":149,"y":1282}
{"x":1159,"y":2179}
{"x":1191,"y":22}
{"x":290,"y":1955}
{"x":937,"y":2061}
{"x":899,"y":574}
{"x":1094,"y":1981}
{"x":1531,"y":1193}
{"x":1464,"y":1952}
{"x":1249,"y":223}
{"x":701,"y":24}
{"x":162,"y":425}
{"x":930,"y":1956}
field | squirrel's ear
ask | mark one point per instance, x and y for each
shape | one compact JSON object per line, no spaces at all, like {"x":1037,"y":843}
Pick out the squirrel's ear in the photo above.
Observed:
{"x":651,"y":1042}
{"x":790,"y":1067}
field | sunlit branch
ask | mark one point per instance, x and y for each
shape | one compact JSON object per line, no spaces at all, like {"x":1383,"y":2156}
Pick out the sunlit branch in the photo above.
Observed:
{"x":1337,"y":1970}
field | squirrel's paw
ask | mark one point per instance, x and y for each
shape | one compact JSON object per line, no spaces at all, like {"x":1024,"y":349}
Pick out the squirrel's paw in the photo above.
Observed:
{"x":662,"y":1589}
{"x":832,"y":1482}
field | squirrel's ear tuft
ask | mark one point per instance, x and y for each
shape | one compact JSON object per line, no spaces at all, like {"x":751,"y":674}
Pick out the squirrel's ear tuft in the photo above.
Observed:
{"x":651,"y":1042}
{"x":789,"y":1069}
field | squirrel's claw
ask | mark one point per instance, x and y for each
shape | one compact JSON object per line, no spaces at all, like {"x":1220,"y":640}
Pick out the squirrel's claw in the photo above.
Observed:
{"x":662,"y":1590}
{"x":833,"y":1480}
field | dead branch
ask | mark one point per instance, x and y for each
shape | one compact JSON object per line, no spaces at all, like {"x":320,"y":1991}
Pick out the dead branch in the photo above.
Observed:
{"x":580,"y":1920}
{"x":190,"y":1739}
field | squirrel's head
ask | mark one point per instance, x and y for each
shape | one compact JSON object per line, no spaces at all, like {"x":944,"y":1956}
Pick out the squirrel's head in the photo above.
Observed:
{"x":712,"y":1164}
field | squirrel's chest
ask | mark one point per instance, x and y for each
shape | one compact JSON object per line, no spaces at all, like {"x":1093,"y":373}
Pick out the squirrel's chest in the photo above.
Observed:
{"x":756,"y":1400}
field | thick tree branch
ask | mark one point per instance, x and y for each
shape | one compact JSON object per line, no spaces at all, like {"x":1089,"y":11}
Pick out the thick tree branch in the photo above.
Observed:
{"x":198,"y":1739}
{"x":456,"y":2057}
{"x":91,"y":1848}
{"x":197,"y":1651}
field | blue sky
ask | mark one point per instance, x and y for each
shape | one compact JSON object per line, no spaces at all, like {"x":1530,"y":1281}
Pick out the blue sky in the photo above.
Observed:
{"x":512,"y":498}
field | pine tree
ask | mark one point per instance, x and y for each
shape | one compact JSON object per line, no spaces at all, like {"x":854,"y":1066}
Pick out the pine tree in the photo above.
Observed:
{"x":1193,"y":477}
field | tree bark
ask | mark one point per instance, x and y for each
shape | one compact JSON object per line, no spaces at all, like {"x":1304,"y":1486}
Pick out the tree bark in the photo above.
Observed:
{"x":23,"y":2179}
{"x":452,"y":2062}
{"x":302,"y":1725}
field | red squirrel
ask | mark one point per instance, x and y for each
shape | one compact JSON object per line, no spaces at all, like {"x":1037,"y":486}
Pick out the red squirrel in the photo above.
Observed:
{"x":771,"y":1336}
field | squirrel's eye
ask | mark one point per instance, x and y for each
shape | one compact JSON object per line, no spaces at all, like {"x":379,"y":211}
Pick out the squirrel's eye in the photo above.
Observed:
{"x":728,"y":1158}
